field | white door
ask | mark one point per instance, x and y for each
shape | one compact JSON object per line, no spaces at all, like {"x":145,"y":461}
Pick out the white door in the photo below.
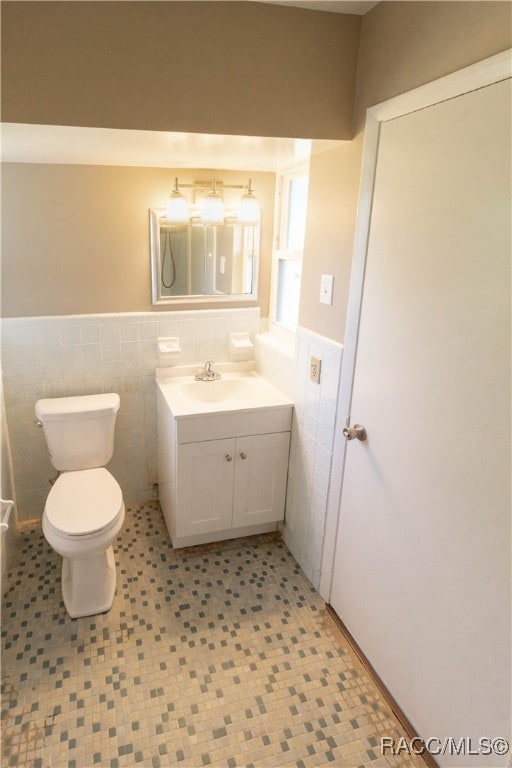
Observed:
{"x":421,"y":572}
{"x":260,"y":478}
{"x":204,"y":486}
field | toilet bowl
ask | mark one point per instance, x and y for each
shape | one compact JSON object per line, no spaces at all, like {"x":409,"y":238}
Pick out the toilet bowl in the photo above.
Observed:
{"x":84,"y":511}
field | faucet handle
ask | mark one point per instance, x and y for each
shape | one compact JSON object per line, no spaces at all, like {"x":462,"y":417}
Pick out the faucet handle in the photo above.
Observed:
{"x":208,"y":365}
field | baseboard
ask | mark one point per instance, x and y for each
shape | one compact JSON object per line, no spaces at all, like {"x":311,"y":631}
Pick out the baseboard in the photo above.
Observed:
{"x":390,"y":701}
{"x":24,"y":525}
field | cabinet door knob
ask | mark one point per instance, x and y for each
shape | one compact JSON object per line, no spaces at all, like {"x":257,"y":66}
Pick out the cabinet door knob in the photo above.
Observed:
{"x":243,"y":456}
{"x":228,"y":457}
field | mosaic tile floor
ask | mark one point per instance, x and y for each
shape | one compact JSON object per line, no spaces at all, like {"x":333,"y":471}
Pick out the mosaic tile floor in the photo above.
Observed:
{"x":220,"y":655}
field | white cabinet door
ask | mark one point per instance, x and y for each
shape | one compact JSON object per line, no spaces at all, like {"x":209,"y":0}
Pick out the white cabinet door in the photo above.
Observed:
{"x":260,"y":478}
{"x":204,"y":486}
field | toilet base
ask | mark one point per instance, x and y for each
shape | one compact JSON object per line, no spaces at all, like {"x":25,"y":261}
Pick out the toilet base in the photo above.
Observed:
{"x":89,"y":583}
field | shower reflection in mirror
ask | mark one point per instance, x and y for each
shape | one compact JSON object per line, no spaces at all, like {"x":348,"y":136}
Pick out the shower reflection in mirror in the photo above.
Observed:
{"x":201,"y":249}
{"x":198,"y":260}
{"x":192,"y":261}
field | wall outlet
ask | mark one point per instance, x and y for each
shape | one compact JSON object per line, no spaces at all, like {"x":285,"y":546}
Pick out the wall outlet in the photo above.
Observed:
{"x":314,"y":369}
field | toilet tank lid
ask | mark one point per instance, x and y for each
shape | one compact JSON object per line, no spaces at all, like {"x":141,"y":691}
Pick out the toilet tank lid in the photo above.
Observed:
{"x":82,"y":406}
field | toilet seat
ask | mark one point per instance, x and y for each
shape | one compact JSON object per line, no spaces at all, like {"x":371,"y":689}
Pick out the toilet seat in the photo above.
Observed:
{"x":83,"y":503}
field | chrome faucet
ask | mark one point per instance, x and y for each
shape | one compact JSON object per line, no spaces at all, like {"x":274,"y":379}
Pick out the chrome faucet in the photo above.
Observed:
{"x":208,"y":374}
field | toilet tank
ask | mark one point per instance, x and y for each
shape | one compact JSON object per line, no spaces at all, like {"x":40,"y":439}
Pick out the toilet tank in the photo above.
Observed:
{"x":79,"y":430}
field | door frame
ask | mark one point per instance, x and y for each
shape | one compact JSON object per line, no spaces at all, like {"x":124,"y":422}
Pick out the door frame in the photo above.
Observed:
{"x":483,"y":73}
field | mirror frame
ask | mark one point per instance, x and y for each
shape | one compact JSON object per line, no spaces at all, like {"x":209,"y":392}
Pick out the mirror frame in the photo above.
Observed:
{"x":155,"y":214}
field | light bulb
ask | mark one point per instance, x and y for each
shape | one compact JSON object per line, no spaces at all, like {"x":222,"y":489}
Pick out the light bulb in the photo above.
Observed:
{"x":249,"y":210}
{"x":212,"y":211}
{"x":177,"y":207}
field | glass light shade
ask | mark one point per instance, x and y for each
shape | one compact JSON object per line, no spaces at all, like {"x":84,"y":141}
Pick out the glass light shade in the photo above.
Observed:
{"x":177,"y":209}
{"x":212,"y":211}
{"x":249,"y":210}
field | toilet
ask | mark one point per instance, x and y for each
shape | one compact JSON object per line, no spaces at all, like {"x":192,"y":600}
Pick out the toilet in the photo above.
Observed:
{"x":84,"y":511}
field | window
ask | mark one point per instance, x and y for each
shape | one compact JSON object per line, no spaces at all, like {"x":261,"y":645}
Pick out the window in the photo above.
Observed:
{"x":291,"y":229}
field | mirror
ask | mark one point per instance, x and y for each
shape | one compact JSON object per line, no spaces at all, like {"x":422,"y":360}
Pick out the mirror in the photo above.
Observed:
{"x":196,"y":262}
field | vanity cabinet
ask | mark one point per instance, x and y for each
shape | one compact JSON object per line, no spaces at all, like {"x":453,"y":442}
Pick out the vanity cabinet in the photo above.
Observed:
{"x":221,"y":475}
{"x":224,"y":484}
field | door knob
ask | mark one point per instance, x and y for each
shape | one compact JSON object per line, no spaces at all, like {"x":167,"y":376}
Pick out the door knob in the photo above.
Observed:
{"x":228,"y":457}
{"x":357,"y":431}
{"x":243,"y":456}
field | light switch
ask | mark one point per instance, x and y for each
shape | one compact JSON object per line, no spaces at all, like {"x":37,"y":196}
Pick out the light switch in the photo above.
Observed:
{"x":326,"y":284}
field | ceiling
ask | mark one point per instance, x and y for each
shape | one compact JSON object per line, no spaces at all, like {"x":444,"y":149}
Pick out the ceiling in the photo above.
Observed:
{"x":358,"y":7}
{"x":60,"y":144}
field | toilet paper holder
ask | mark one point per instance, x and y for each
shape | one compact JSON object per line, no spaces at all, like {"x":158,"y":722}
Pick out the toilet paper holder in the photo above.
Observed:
{"x":6,"y":507}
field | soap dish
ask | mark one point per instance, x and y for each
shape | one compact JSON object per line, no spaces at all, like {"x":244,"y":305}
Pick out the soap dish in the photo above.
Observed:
{"x":240,"y":346}
{"x":168,"y":347}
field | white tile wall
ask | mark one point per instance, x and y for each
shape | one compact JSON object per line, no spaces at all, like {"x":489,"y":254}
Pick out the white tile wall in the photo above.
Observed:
{"x":85,"y":354}
{"x":275,"y":361}
{"x":8,"y":538}
{"x":287,"y":367}
{"x":58,"y":356}
{"x":312,"y":436}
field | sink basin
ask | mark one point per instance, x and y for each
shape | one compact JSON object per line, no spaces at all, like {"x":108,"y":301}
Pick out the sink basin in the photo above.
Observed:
{"x":239,"y":390}
{"x":216,"y":391}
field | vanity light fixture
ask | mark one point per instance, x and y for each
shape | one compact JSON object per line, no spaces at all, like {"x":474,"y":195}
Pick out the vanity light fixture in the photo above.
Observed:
{"x":249,"y":210}
{"x":177,"y":207}
{"x":212,"y":207}
{"x":212,"y":211}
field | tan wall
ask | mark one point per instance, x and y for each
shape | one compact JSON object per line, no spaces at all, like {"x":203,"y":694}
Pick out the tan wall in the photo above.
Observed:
{"x":403,"y":45}
{"x":406,"y":44}
{"x":75,"y":238}
{"x":207,"y":67}
{"x":333,"y":184}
